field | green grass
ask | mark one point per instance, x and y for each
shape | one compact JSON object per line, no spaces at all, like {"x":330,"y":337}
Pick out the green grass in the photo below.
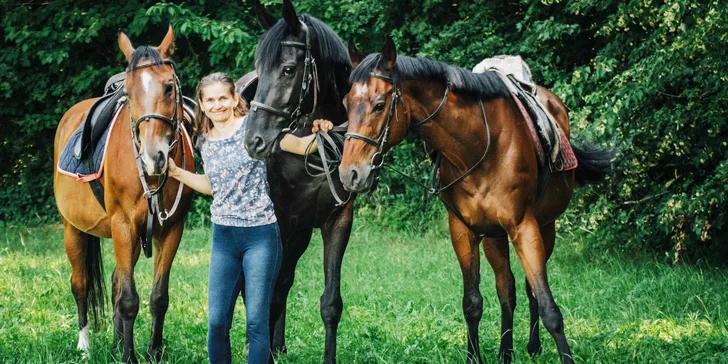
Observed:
{"x":402,"y":303}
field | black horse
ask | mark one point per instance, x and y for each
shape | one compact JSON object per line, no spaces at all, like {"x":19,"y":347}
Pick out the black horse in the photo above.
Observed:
{"x":303,"y":69}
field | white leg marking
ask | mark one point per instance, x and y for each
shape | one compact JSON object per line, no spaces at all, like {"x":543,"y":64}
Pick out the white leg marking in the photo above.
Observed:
{"x":83,"y":342}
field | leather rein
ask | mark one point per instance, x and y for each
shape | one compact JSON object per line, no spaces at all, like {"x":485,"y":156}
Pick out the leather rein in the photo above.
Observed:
{"x":154,"y":195}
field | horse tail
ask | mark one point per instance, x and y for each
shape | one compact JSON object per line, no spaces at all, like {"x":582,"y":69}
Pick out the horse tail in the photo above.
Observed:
{"x":594,"y":163}
{"x":95,"y":270}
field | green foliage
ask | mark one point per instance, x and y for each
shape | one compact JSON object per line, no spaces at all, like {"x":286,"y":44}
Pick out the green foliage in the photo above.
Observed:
{"x":643,"y":76}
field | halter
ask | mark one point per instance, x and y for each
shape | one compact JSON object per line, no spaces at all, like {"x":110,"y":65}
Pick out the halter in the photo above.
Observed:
{"x":154,"y":196}
{"x":310,"y":74}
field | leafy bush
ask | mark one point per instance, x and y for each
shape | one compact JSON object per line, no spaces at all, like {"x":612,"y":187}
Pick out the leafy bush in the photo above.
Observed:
{"x":645,"y":77}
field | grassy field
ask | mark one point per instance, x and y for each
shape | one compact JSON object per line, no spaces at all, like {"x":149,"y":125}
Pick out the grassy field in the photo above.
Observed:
{"x":402,"y":304}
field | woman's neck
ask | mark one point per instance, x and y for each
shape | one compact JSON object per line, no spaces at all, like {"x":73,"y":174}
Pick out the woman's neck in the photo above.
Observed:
{"x":225,"y":129}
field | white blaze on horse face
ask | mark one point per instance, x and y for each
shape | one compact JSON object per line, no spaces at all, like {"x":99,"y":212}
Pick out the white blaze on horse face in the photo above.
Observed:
{"x":146,"y":80}
{"x":361,"y":90}
{"x":83,"y":342}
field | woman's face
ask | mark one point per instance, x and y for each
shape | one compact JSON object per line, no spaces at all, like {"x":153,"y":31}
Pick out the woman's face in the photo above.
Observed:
{"x":217,"y":102}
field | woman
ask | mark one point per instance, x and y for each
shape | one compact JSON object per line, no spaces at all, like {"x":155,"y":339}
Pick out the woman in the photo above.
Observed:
{"x":245,"y":236}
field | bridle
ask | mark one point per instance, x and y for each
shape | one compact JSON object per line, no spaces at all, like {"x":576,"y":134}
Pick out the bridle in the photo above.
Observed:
{"x":380,"y":142}
{"x":154,"y":195}
{"x":310,"y":74}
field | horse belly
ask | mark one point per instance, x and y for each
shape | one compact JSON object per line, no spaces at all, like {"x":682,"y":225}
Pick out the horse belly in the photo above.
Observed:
{"x":555,"y":198}
{"x":78,"y":206}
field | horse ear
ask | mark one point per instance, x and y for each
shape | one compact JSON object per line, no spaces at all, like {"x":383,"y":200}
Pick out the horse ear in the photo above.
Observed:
{"x":389,"y":53}
{"x":166,"y":48}
{"x":289,"y":14}
{"x":355,"y":54}
{"x":125,"y":45}
{"x":265,"y":18}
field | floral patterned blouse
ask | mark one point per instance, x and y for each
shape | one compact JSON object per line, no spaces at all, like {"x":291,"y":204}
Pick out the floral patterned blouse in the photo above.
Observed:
{"x":239,"y":185}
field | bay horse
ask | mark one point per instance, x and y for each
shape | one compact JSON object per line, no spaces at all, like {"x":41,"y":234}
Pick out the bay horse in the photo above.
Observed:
{"x":151,"y":117}
{"x":488,"y":161}
{"x":303,"y":66}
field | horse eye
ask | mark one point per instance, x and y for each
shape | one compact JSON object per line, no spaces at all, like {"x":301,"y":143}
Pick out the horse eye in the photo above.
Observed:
{"x":168,"y":88}
{"x":379,"y":107}
{"x":287,"y":71}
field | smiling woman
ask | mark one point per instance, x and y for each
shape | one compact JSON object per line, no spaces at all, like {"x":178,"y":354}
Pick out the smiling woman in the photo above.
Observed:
{"x":246,"y":246}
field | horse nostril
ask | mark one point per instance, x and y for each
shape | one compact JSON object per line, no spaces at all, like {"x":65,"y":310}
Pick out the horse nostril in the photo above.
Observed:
{"x":258,"y":144}
{"x":354,"y":177}
{"x":160,"y":160}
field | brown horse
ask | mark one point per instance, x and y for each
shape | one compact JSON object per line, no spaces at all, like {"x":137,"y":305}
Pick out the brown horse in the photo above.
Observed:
{"x":154,"y":102}
{"x":489,"y":158}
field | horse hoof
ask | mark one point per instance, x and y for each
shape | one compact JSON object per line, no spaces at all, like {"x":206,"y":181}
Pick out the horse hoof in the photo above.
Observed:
{"x":277,"y":350}
{"x":505,"y":356}
{"x":153,"y":356}
{"x":534,"y":349}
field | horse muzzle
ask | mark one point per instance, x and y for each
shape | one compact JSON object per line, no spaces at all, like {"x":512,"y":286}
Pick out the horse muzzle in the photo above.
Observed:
{"x":356,"y":178}
{"x":154,"y":163}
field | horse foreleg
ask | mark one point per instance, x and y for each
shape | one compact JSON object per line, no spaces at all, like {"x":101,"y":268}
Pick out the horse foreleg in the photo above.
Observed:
{"x":165,"y":251}
{"x":75,"y":243}
{"x":294,"y":245}
{"x":126,"y":299}
{"x":335,"y":233}
{"x":529,"y":245}
{"x":465,"y":244}
{"x":548,"y":233}
{"x":496,"y":251}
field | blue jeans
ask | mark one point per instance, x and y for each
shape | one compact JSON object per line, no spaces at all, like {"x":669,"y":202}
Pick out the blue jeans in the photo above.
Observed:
{"x":252,"y":254}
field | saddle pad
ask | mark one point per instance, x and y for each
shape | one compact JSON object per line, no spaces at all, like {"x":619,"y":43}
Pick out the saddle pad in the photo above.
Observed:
{"x":509,"y":65}
{"x":69,"y":165}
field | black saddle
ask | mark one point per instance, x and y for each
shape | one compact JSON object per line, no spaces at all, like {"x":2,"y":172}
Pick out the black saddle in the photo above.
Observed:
{"x":99,"y":116}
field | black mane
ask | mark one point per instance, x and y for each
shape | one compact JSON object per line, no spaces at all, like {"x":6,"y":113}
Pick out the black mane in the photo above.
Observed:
{"x":483,"y":85}
{"x":331,"y":49}
{"x":143,"y":52}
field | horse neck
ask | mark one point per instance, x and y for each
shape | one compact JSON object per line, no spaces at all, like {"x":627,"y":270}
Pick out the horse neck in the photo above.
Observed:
{"x":334,"y":86}
{"x":457,"y":131}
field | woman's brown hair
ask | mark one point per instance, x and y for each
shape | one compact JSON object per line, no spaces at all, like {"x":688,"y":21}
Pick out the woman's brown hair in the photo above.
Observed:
{"x":203,"y":124}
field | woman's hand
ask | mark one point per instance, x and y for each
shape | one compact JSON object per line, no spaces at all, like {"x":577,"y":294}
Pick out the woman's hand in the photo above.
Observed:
{"x":171,"y":167}
{"x":322,"y":124}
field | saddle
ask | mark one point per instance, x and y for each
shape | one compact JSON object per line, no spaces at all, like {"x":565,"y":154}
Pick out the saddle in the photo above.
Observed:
{"x":553,"y":149}
{"x":99,"y":116}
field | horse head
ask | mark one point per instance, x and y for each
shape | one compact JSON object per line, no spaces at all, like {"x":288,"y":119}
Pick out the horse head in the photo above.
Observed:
{"x":153,"y":96}
{"x":378,"y":118}
{"x":301,"y":64}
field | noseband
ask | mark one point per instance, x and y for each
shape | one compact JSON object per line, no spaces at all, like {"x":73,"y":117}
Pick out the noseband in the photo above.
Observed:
{"x":310,"y":74}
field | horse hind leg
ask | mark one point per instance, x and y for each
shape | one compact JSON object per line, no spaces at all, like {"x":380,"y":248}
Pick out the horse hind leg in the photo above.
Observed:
{"x":498,"y":255}
{"x":465,"y":244}
{"x":529,"y":244}
{"x":548,"y":233}
{"x":166,"y":250}
{"x":84,"y":253}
